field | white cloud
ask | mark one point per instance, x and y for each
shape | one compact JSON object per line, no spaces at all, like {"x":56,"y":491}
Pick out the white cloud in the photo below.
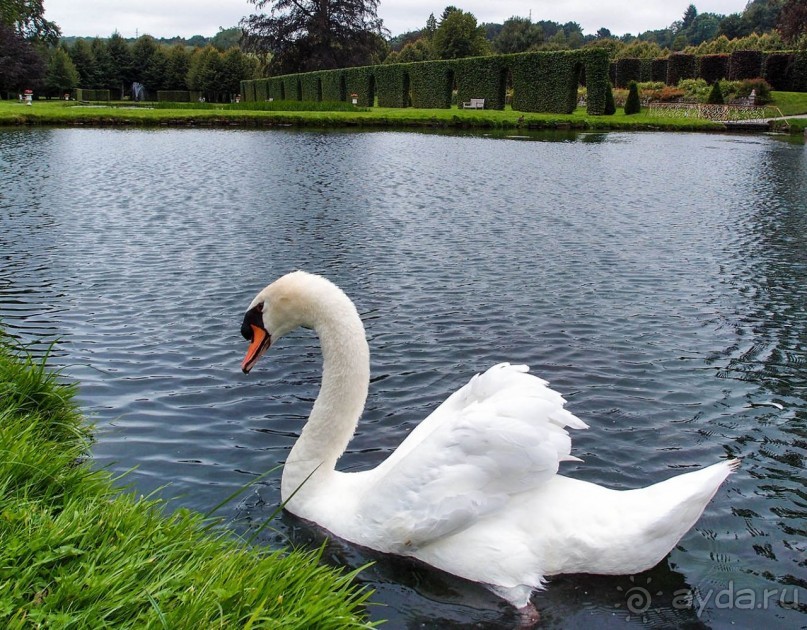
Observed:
{"x":204,"y":17}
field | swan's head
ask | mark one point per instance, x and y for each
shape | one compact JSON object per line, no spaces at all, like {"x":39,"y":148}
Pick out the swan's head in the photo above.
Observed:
{"x":290,"y":302}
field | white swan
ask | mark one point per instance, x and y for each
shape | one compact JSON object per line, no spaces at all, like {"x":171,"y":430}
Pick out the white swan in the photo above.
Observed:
{"x":473,"y":490}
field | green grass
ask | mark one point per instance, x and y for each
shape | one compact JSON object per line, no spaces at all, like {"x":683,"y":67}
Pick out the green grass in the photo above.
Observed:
{"x":77,"y":552}
{"x":344,"y":115}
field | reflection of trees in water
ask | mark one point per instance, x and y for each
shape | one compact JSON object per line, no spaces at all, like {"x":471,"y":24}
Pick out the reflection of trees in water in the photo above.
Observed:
{"x":771,"y":352}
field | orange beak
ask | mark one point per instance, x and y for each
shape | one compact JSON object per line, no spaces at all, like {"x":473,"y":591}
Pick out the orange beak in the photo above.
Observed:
{"x":261,"y":340}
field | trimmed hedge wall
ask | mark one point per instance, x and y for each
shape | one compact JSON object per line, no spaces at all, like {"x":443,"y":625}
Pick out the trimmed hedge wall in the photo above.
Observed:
{"x":180,"y":96}
{"x":248,"y":90}
{"x":81,"y":94}
{"x":292,"y":88}
{"x":778,"y":70}
{"x":481,"y":77}
{"x":681,"y":66}
{"x":799,"y":72}
{"x":548,"y":82}
{"x":542,"y":81}
{"x":392,"y":83}
{"x":745,"y":64}
{"x":333,"y":85}
{"x":628,"y":70}
{"x":658,"y":70}
{"x":713,"y":68}
{"x":431,"y":84}
{"x":361,"y":82}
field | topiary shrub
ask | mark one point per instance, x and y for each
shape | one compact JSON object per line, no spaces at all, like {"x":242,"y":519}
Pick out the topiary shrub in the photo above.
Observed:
{"x":632,"y":104}
{"x":610,"y":105}
{"x":716,"y":95}
{"x":713,"y":68}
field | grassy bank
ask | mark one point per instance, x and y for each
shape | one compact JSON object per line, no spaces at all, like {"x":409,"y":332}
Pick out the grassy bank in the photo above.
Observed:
{"x":77,"y":552}
{"x":63,"y":113}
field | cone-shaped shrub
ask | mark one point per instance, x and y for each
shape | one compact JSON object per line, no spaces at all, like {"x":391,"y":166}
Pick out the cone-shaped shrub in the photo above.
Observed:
{"x":632,"y":104}
{"x":610,"y":105}
{"x":716,"y":95}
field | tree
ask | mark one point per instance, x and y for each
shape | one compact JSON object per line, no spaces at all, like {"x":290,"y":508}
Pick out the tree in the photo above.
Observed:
{"x":156,"y":70}
{"x":640,"y":50}
{"x":227,"y":38}
{"x":105,"y":72}
{"x":236,"y":66}
{"x":121,"y":69}
{"x":518,"y":34}
{"x":62,"y":75}
{"x":704,"y":27}
{"x":176,"y":71}
{"x":604,"y":33}
{"x":27,"y":18}
{"x":142,"y":51}
{"x":793,"y":20}
{"x":431,"y":27}
{"x":21,"y":66}
{"x":420,"y":50}
{"x":459,"y":36}
{"x":689,"y":17}
{"x":307,"y":35}
{"x":206,"y":72}
{"x":83,"y":59}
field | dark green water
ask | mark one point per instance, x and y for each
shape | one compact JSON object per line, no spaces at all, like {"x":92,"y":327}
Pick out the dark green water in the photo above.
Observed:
{"x":657,"y":280}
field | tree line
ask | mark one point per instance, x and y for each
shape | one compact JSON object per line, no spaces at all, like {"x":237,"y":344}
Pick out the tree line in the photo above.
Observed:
{"x":115,"y":64}
{"x":763,"y":25}
{"x":305,"y":35}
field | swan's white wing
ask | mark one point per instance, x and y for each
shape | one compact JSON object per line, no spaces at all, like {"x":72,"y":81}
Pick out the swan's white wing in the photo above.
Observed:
{"x":501,"y":434}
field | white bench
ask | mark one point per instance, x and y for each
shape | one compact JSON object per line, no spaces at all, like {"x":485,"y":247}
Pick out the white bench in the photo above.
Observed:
{"x":474,"y":103}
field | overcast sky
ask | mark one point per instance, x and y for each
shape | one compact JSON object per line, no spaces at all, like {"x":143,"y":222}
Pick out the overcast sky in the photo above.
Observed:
{"x":167,"y":18}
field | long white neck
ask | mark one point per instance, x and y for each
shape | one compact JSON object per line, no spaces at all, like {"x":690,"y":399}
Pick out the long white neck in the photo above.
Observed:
{"x":336,"y":412}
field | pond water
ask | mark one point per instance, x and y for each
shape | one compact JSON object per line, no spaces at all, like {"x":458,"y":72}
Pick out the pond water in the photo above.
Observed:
{"x":657,"y":280}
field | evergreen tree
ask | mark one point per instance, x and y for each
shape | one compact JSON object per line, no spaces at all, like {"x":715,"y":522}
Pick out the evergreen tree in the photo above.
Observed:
{"x":459,"y":36}
{"x":105,"y":73}
{"x":121,"y":72}
{"x":632,"y":104}
{"x":62,"y":75}
{"x":518,"y":35}
{"x":716,"y":95}
{"x":305,"y":35}
{"x":83,"y":58}
{"x":176,"y":72}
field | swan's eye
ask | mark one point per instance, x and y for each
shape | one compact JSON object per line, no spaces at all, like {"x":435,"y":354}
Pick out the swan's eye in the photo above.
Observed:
{"x":259,"y":307}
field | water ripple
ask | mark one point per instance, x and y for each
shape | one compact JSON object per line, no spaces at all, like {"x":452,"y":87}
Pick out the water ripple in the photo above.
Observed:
{"x":656,"y":280}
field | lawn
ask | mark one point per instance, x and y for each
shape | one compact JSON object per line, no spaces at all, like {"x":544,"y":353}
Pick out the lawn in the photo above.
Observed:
{"x":63,"y":113}
{"x":79,"y":552}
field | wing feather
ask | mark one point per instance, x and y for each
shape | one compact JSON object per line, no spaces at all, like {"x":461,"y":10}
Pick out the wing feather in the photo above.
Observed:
{"x":502,"y":434}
